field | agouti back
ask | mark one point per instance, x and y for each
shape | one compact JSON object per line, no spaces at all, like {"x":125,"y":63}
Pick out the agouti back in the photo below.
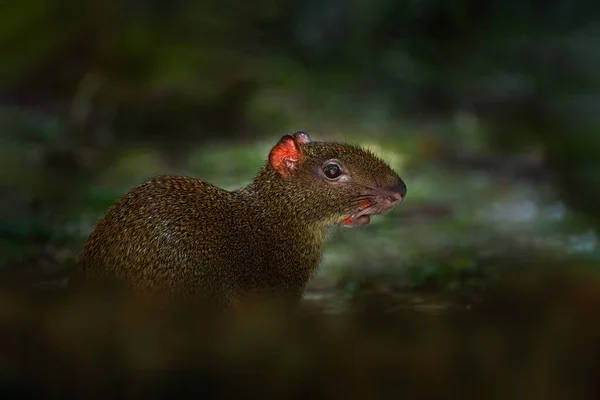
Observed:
{"x":180,"y":236}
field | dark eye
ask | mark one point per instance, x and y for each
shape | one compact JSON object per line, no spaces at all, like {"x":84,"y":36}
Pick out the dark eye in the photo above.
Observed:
{"x":332,"y":171}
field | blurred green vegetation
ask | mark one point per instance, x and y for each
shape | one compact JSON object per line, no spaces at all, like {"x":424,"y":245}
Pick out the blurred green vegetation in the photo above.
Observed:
{"x":487,"y":111}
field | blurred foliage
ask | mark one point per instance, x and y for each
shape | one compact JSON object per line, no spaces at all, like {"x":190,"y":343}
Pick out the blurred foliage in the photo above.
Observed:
{"x":488,"y":110}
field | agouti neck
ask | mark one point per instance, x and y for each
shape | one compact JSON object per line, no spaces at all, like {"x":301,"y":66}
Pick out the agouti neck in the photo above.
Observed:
{"x":286,"y":202}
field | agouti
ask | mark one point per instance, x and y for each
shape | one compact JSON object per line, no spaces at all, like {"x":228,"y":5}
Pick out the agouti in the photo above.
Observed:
{"x":180,"y":236}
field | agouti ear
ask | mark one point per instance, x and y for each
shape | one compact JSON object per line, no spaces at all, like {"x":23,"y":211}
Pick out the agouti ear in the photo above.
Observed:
{"x":301,"y":137}
{"x":286,"y":156}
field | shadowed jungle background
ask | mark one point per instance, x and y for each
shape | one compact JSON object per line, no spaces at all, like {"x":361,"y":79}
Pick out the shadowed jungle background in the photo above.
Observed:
{"x":488,"y":110}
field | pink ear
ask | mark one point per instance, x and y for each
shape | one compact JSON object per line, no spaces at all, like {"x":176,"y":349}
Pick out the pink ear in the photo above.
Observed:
{"x":286,"y":156}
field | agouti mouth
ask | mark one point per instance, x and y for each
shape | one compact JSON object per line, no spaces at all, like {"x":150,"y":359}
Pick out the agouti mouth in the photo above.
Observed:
{"x":363,"y":216}
{"x":384,"y":201}
{"x":356,"y":220}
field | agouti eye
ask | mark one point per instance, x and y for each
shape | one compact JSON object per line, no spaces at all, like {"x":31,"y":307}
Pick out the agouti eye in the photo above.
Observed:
{"x":332,"y":171}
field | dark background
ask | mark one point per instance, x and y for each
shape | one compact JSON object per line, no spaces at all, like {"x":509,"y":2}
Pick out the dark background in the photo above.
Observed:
{"x":488,"y":110}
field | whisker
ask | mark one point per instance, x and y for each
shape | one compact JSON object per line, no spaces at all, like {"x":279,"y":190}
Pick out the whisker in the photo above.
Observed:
{"x":363,"y":186}
{"x":356,"y":202}
{"x":363,"y":197}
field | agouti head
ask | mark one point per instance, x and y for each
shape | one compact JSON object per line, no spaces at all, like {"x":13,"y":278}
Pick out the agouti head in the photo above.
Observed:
{"x":332,"y":183}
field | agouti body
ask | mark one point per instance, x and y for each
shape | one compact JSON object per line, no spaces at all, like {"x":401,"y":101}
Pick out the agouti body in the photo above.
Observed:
{"x":180,"y":236}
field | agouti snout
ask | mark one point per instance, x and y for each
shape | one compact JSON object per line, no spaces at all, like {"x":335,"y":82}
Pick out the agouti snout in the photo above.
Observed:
{"x":185,"y":237}
{"x":383,"y":199}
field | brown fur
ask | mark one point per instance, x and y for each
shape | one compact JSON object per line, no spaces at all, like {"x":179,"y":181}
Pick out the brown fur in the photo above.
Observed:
{"x":182,"y":236}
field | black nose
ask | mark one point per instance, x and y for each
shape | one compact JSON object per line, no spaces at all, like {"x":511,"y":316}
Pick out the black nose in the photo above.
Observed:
{"x":398,"y":190}
{"x":396,"y":193}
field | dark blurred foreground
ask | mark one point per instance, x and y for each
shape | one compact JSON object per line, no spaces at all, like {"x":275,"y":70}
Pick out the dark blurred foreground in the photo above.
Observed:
{"x":539,"y":339}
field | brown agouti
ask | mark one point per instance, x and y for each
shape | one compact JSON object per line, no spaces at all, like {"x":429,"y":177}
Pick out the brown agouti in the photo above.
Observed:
{"x":180,"y":236}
